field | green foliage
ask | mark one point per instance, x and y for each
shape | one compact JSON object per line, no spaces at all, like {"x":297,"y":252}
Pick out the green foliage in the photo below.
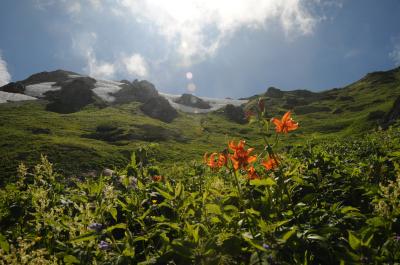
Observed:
{"x":327,"y":201}
{"x":333,"y":202}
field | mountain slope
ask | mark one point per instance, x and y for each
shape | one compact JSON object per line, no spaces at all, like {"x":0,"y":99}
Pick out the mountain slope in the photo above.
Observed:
{"x":103,"y":131}
{"x":355,"y":108}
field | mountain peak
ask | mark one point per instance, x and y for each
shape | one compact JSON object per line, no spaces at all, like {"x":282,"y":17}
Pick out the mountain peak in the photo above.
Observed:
{"x":52,"y":76}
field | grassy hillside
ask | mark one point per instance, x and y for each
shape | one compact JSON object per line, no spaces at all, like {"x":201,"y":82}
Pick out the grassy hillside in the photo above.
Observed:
{"x":355,"y":108}
{"x":329,"y":203}
{"x":94,"y":138}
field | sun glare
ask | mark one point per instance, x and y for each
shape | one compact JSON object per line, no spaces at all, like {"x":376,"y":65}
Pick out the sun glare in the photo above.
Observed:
{"x":189,"y":75}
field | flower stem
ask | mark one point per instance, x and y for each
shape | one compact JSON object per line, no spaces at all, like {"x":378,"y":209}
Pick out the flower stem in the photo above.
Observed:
{"x":245,"y":213}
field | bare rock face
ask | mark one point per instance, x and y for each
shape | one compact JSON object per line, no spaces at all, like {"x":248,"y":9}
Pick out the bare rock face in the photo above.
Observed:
{"x":13,"y":87}
{"x":72,"y":96}
{"x":159,"y":108}
{"x":273,"y":92}
{"x":235,"y":114}
{"x":140,"y":91}
{"x":53,"y":76}
{"x":193,"y":101}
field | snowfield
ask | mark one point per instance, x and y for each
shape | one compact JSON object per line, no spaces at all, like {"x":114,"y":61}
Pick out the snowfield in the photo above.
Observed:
{"x":216,"y":103}
{"x":38,"y":90}
{"x":104,"y":89}
{"x":7,"y":97}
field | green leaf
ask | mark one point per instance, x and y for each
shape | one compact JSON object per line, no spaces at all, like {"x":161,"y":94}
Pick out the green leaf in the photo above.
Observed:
{"x":251,"y":211}
{"x":270,"y":227}
{"x":4,"y":243}
{"x":139,"y":238}
{"x":368,"y":242}
{"x":174,"y":226}
{"x":316,"y":237}
{"x":376,"y":221}
{"x":140,"y":185}
{"x":252,"y":120}
{"x":129,"y":252}
{"x":288,"y":234}
{"x":248,"y":238}
{"x":231,"y":208}
{"x":122,"y":204}
{"x":394,"y":154}
{"x":213,"y":209}
{"x":349,"y":209}
{"x":133,"y":160}
{"x":113,"y":212}
{"x":297,"y":179}
{"x":166,"y":195}
{"x":120,"y":226}
{"x":69,"y":259}
{"x":159,"y":219}
{"x":354,"y":241}
{"x":262,"y":182}
{"x":85,"y":237}
{"x":178,"y":190}
{"x":215,"y":220}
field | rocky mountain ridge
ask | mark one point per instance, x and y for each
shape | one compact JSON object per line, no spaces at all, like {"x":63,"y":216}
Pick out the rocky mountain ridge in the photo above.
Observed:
{"x":69,"y":92}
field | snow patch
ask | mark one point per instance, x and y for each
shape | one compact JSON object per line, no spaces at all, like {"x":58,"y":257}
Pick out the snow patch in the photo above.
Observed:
{"x":7,"y":97}
{"x":38,"y":90}
{"x":215,"y":103}
{"x":104,"y":89}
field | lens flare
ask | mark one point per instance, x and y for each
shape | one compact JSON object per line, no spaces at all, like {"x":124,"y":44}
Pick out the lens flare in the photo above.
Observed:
{"x":189,"y":75}
{"x":191,"y":87}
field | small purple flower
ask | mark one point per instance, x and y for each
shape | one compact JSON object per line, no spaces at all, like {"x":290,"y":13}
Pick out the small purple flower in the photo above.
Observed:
{"x":103,"y":245}
{"x":266,"y":246}
{"x":95,"y":226}
{"x":397,"y":237}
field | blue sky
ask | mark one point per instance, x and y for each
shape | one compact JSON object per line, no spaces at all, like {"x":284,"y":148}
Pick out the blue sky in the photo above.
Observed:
{"x":232,"y":48}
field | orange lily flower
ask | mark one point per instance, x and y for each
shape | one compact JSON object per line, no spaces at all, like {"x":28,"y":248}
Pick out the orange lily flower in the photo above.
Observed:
{"x":286,"y":124}
{"x":271,"y":163}
{"x":157,"y":178}
{"x":252,"y":174}
{"x":215,"y":163}
{"x":241,"y":157}
{"x":222,"y":160}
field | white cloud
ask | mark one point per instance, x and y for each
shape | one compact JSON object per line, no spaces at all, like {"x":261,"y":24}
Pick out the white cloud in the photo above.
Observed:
{"x":99,"y":69}
{"x":187,"y":24}
{"x":84,"y":45}
{"x":96,"y":4}
{"x":395,"y":54}
{"x":73,"y":7}
{"x":136,"y":65}
{"x":5,"y":76}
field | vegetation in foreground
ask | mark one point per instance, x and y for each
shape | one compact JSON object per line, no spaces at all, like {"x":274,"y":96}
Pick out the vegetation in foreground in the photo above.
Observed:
{"x":327,"y":203}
